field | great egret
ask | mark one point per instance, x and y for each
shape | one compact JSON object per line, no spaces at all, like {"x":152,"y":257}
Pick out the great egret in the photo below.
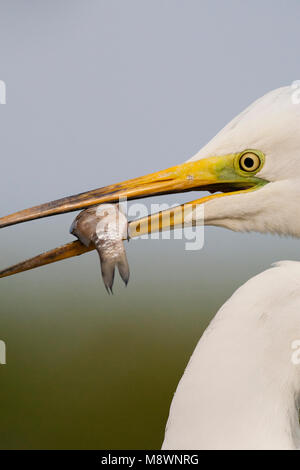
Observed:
{"x":241,"y":389}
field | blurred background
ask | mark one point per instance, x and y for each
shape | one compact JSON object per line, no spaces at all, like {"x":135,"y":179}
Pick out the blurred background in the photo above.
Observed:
{"x":99,"y":92}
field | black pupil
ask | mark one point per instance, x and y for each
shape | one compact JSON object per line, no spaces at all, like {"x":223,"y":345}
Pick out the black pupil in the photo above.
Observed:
{"x":248,"y":162}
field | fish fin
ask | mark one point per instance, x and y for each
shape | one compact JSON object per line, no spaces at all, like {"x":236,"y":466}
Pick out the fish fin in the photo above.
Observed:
{"x":123,"y":267}
{"x":108,"y":273}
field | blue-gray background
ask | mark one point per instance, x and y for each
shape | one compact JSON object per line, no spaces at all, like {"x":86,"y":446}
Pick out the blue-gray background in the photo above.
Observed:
{"x":99,"y":92}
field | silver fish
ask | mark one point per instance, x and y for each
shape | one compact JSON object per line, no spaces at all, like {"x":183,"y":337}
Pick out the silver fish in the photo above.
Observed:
{"x":106,"y":227}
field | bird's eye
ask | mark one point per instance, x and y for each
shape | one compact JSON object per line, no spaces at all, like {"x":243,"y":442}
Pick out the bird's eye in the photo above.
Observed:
{"x":249,"y":161}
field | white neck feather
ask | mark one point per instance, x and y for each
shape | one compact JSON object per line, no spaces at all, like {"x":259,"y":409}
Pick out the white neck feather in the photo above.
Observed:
{"x":241,"y":389}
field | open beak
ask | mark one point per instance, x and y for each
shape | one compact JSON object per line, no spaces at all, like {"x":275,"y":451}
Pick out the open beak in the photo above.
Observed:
{"x":213,"y":174}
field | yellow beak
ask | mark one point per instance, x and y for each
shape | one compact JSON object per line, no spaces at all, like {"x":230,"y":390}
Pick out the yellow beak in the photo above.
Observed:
{"x":210,"y":174}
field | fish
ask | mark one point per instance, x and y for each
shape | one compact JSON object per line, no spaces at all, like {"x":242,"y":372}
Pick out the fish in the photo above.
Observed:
{"x":106,"y":227}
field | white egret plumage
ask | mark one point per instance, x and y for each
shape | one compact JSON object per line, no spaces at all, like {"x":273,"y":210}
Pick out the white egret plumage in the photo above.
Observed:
{"x":241,"y":388}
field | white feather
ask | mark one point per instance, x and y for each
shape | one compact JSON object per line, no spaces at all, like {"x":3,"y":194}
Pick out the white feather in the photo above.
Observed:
{"x":241,"y":388}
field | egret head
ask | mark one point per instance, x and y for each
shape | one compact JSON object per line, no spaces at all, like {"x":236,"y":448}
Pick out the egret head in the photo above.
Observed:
{"x":251,"y":168}
{"x":271,"y":128}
